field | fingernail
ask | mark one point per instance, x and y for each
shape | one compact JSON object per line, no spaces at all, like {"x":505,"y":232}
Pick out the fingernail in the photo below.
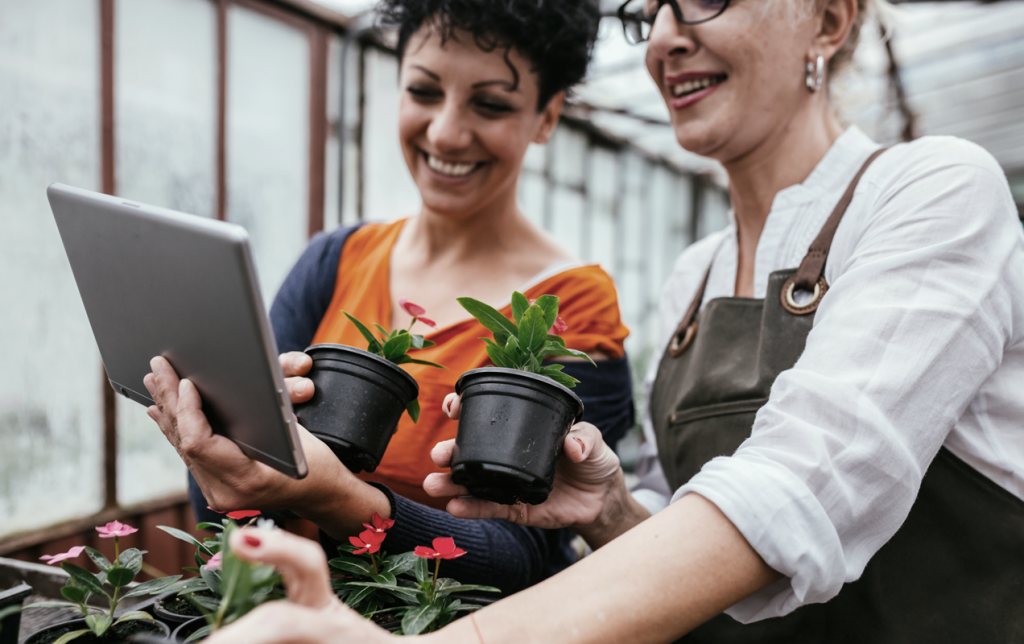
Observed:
{"x":252,"y":540}
{"x":450,"y":406}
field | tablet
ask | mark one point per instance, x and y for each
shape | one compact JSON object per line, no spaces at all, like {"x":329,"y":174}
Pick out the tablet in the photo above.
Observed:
{"x":156,"y":282}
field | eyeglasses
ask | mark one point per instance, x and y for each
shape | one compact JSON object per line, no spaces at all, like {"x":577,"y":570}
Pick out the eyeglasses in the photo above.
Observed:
{"x":638,"y":16}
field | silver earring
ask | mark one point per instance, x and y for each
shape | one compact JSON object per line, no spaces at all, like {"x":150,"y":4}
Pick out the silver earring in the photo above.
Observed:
{"x":815,"y":73}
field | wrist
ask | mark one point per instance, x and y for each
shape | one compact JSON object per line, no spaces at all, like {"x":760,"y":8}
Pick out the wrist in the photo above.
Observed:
{"x":340,"y":503}
{"x":619,"y":513}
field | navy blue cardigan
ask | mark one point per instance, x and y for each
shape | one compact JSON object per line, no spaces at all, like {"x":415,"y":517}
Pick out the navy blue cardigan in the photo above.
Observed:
{"x":502,"y":554}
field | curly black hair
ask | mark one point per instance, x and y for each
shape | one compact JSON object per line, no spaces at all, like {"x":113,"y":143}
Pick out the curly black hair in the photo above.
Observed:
{"x":556,"y":36}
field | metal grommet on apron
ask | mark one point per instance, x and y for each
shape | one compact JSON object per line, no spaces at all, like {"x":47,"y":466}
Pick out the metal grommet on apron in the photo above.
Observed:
{"x":954,"y":572}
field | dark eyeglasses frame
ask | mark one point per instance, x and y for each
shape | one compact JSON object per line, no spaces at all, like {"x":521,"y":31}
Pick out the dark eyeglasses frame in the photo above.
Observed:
{"x":637,"y":18}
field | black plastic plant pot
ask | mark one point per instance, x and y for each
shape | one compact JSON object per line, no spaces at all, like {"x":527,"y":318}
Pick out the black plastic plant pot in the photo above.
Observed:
{"x":358,"y":401}
{"x":165,"y":610}
{"x":122,"y":632}
{"x":183,"y":631}
{"x":9,"y":625}
{"x":511,"y":430}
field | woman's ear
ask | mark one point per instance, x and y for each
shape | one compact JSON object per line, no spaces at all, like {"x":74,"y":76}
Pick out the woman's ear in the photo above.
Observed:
{"x":837,"y":18}
{"x":549,"y":119}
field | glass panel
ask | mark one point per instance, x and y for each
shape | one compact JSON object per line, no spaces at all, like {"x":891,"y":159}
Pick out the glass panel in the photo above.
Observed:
{"x":332,"y":152}
{"x":567,"y":219}
{"x":351,"y":157}
{"x":389,"y":191}
{"x":166,"y":94}
{"x":51,"y":414}
{"x":602,"y":187}
{"x":532,"y":194}
{"x":632,"y":294}
{"x":268,"y":140}
{"x":714,"y":214}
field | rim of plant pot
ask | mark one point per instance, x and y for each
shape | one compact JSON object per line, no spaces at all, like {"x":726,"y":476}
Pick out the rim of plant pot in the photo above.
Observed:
{"x":384,"y":362}
{"x":79,"y":624}
{"x":526,"y":375}
{"x":165,"y":615}
{"x":14,"y":596}
{"x":185,"y":629}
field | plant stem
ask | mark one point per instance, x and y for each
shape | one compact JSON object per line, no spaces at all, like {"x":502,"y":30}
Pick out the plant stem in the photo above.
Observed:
{"x":373,"y":560}
{"x":437,"y":569}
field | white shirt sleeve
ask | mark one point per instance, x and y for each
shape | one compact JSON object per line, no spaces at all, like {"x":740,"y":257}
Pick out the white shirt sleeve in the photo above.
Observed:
{"x":926,"y":285}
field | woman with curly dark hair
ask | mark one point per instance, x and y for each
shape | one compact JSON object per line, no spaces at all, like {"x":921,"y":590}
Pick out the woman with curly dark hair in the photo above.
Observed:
{"x":480,"y":81}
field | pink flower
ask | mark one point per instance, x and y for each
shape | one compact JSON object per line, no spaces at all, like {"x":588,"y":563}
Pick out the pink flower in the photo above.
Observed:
{"x":414,"y":310}
{"x":444,"y":548}
{"x":428,"y":322}
{"x":70,"y":554}
{"x":115,"y":529}
{"x":214,"y":562}
{"x":243,"y":514}
{"x":380,"y":524}
{"x":559,"y":326}
{"x":367,"y":541}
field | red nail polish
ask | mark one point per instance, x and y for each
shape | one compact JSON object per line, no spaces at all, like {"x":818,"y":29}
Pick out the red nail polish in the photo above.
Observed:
{"x":252,"y":540}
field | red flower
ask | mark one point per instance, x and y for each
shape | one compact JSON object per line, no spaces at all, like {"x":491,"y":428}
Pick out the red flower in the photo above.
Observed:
{"x":414,"y":310}
{"x":428,"y":322}
{"x":115,"y":529}
{"x":444,"y":548}
{"x":367,"y":541}
{"x":559,"y":326}
{"x":243,"y":514}
{"x":70,"y":554}
{"x":380,"y":524}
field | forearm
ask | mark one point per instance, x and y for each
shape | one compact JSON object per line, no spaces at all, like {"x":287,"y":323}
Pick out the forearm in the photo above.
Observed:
{"x":663,"y":578}
{"x":341,"y":506}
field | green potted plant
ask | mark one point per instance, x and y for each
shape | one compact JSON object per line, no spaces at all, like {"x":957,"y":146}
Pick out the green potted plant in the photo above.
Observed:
{"x":105,"y":626}
{"x":516,"y":414}
{"x":361,"y":394}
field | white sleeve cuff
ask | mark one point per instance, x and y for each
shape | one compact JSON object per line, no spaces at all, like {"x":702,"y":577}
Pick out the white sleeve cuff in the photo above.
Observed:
{"x":783,"y":522}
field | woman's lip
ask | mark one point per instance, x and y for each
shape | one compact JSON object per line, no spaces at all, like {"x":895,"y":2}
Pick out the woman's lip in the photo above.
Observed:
{"x":675,"y":79}
{"x":690,"y":99}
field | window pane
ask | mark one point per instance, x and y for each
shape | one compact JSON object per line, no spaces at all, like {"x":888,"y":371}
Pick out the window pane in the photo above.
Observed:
{"x":51,"y":415}
{"x":166,"y":107}
{"x":268,"y":140}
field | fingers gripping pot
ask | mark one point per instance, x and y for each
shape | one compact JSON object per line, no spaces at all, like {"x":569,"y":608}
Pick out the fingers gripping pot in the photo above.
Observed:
{"x":358,"y":399}
{"x":511,"y":430}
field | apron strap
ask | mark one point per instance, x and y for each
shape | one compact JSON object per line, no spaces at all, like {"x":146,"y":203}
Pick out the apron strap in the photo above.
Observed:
{"x":810,"y":276}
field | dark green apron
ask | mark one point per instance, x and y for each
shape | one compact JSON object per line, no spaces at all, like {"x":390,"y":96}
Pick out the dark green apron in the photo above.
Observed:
{"x":954,"y":572}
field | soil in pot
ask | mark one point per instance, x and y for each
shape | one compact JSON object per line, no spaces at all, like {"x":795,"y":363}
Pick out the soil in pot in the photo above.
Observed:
{"x":119,"y":634}
{"x":176,"y":610}
{"x":358,"y":401}
{"x":511,"y":430}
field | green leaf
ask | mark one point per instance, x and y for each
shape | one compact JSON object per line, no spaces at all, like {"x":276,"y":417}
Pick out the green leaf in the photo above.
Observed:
{"x":400,"y":564}
{"x":152,"y":587}
{"x":131,"y":559}
{"x":97,"y":558}
{"x":98,"y":624}
{"x":213,"y":580}
{"x":210,"y":526}
{"x":384,"y":332}
{"x":532,"y":330}
{"x":491,"y":318}
{"x":467,"y":588}
{"x":68,"y":637}
{"x":358,"y":596}
{"x":519,"y":306}
{"x":134,"y":615}
{"x":374,"y":344}
{"x":386,"y":578}
{"x":187,"y":538}
{"x":422,"y":570}
{"x":562,"y":351}
{"x":120,"y":577}
{"x":73,"y":594}
{"x":556,"y":339}
{"x":499,"y":358}
{"x":548,"y":304}
{"x":193,"y":585}
{"x":52,"y":604}
{"x":563,"y":379}
{"x":200,"y":634}
{"x":203,"y":602}
{"x":406,"y":359}
{"x":514,"y":352}
{"x":84,"y":579}
{"x":414,"y":409}
{"x":397,"y":346}
{"x":348,"y":565}
{"x":419,"y":618}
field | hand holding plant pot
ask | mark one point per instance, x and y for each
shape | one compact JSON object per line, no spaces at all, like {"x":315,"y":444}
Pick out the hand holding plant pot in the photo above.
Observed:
{"x":515,"y":416}
{"x":359,"y":395}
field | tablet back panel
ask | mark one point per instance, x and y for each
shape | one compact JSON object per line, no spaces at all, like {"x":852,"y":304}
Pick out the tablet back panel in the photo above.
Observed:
{"x":155,"y":282}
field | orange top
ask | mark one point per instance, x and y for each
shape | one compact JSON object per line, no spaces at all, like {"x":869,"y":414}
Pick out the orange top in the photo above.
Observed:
{"x":587,"y":303}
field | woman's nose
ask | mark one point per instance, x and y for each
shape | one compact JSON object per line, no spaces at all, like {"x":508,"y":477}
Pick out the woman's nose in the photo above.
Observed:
{"x":448,"y":129}
{"x":668,"y":37}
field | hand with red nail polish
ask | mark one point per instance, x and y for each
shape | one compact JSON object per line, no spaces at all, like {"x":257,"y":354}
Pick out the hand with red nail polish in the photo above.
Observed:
{"x":589,"y":495}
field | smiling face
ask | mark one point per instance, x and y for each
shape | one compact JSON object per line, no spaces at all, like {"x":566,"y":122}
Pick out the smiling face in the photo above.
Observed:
{"x":465,"y":124}
{"x":735,"y":81}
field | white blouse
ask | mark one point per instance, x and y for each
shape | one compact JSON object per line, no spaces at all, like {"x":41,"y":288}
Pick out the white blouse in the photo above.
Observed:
{"x":918,"y":344}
